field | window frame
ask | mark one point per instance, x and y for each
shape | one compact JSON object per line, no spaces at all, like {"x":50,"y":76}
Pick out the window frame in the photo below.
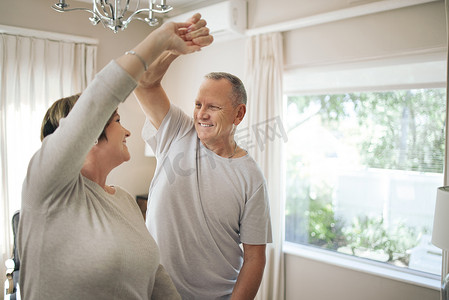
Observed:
{"x":430,"y":71}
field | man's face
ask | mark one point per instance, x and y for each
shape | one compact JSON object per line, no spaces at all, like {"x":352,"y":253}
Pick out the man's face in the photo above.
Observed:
{"x":214,"y":115}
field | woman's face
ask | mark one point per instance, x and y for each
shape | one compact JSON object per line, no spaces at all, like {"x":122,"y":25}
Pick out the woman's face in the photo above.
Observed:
{"x":115,"y":142}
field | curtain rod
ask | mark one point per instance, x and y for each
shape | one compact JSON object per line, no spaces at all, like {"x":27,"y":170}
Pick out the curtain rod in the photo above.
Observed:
{"x":47,"y":35}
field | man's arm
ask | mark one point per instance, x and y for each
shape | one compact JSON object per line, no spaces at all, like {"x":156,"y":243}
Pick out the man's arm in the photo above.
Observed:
{"x":151,"y":96}
{"x":250,"y":276}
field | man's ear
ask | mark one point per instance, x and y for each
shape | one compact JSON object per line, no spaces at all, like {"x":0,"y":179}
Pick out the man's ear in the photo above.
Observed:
{"x":241,"y":111}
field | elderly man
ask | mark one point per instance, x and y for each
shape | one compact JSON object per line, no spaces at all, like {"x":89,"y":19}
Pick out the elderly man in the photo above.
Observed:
{"x":208,"y":195}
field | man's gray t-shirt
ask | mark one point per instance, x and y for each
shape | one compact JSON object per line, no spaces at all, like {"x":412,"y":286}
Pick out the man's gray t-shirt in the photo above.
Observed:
{"x":201,"y":207}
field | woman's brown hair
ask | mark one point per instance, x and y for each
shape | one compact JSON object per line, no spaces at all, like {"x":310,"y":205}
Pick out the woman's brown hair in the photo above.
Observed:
{"x":60,"y":109}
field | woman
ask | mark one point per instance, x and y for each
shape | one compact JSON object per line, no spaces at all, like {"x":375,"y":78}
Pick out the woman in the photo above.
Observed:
{"x":78,"y":237}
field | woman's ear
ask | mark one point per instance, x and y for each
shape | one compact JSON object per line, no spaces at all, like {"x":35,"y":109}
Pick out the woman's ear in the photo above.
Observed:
{"x":241,"y":111}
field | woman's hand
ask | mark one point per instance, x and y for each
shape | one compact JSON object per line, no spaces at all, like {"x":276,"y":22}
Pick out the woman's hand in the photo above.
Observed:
{"x":193,"y":35}
{"x":197,"y":32}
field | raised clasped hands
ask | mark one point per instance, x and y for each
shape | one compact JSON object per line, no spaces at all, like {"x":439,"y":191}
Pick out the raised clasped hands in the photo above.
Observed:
{"x":197,"y":33}
{"x":190,"y":36}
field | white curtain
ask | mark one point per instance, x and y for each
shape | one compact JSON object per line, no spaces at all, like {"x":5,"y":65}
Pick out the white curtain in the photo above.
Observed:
{"x":34,"y":72}
{"x":264,"y":117}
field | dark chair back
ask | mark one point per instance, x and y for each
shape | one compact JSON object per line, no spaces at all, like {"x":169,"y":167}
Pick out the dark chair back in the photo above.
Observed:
{"x":15,"y":274}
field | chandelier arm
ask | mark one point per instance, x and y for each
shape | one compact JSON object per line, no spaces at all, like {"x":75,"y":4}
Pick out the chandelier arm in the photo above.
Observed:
{"x":103,"y":4}
{"x":58,"y":9}
{"x":147,"y":21}
{"x":119,"y":13}
{"x":147,"y":10}
{"x":126,"y":6}
{"x":136,"y":13}
{"x":150,"y":9}
{"x":164,"y":7}
{"x":150,"y":20}
{"x":162,"y":11}
{"x":140,"y":19}
{"x":100,"y":20}
{"x":116,"y":9}
{"x":95,"y":14}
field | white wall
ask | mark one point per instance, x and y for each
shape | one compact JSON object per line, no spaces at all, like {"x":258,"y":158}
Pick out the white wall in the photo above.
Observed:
{"x":407,"y":31}
{"x":380,"y":34}
{"x":311,"y":280}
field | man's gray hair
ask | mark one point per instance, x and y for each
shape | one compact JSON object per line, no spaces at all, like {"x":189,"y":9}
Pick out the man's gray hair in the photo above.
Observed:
{"x":238,"y":89}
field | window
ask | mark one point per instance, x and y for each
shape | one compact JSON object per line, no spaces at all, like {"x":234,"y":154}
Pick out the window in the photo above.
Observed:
{"x":362,"y":173}
{"x":364,"y":158}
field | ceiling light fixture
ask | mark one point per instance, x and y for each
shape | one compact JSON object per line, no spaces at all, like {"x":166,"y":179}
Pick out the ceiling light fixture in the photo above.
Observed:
{"x":111,"y":13}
